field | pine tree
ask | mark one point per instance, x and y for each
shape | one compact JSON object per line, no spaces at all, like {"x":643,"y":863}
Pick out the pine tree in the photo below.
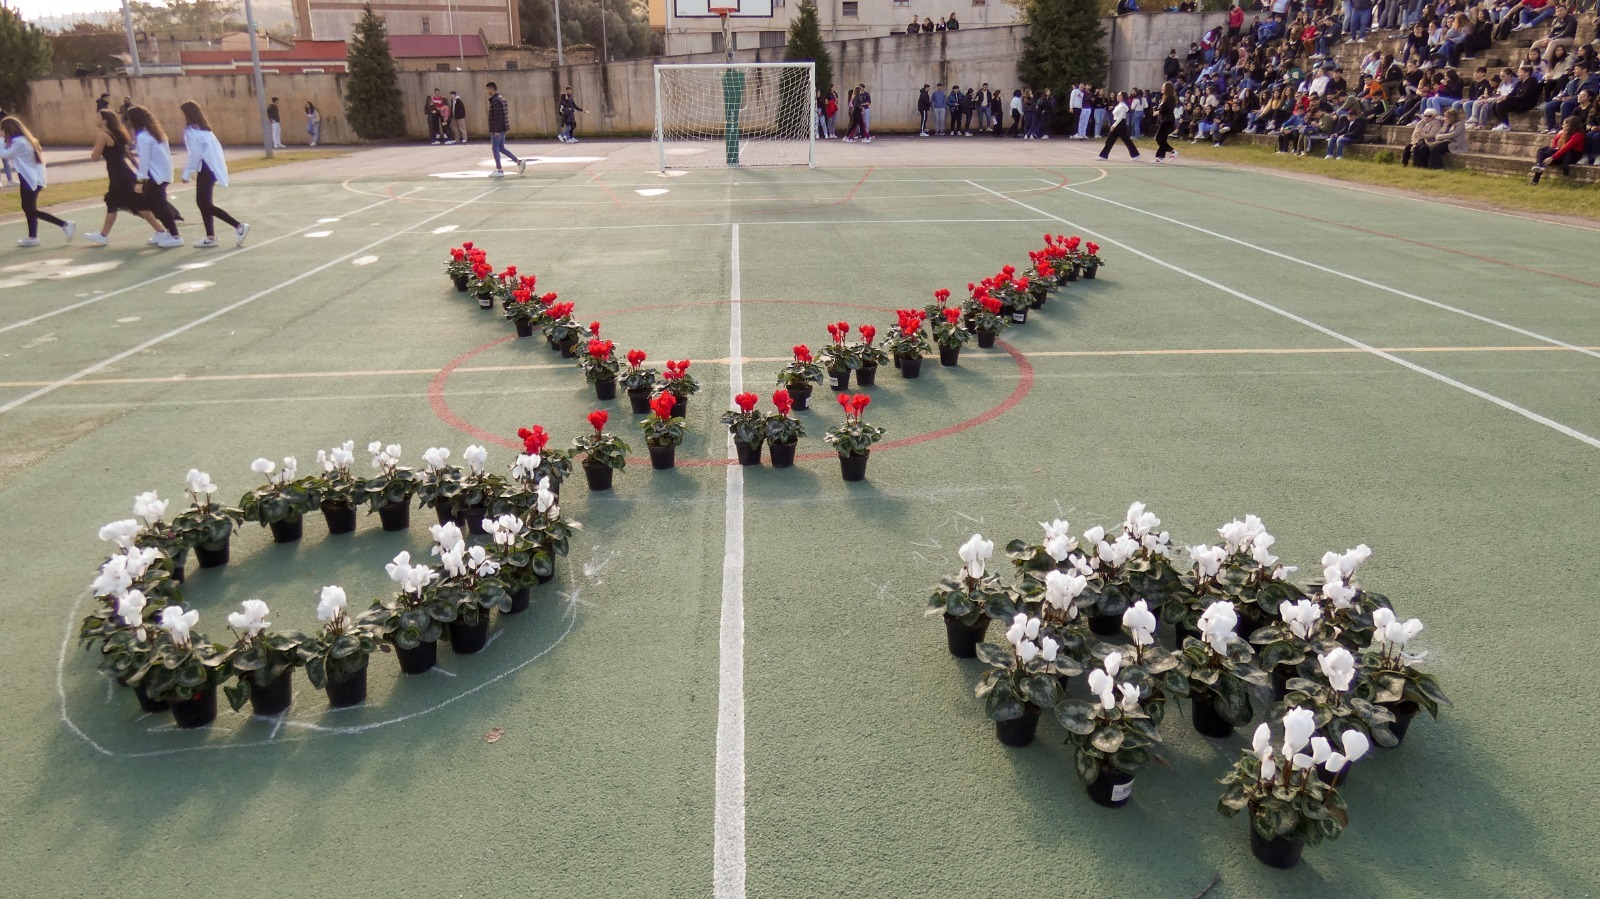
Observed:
{"x":24,"y":55}
{"x":372,"y":90}
{"x":805,"y":44}
{"x":1062,"y":47}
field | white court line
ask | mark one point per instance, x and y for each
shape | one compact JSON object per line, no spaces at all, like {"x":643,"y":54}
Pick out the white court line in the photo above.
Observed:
{"x":1346,"y":275}
{"x":146,"y":283}
{"x":112,"y":360}
{"x":728,"y":842}
{"x":1329,"y":332}
{"x":829,"y":222}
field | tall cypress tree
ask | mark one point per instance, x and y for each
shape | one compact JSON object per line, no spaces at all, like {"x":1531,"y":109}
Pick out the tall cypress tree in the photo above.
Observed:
{"x":372,"y":90}
{"x":1062,"y":47}
{"x":24,"y":56}
{"x":805,"y":44}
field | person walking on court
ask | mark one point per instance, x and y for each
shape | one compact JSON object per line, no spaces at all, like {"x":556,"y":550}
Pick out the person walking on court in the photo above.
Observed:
{"x":274,"y":121}
{"x":313,"y":123}
{"x":458,"y":117}
{"x":1166,"y":120}
{"x":924,"y":106}
{"x":122,"y":188}
{"x":155,"y":172}
{"x":499,"y":124}
{"x":1119,"y":129}
{"x":22,"y":150}
{"x":569,"y":109}
{"x":204,"y":156}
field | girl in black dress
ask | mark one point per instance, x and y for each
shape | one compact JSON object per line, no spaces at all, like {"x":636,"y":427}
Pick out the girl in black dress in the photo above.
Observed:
{"x":122,"y":194}
{"x":1166,"y":120}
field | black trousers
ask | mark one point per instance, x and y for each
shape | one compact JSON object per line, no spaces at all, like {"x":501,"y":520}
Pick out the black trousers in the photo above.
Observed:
{"x":1120,"y":132}
{"x":155,"y":197}
{"x":202,"y":198}
{"x":1163,"y":147}
{"x":30,"y":210}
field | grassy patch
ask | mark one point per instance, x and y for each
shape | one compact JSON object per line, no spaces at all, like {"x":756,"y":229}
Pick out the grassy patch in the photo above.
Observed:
{"x":76,"y":191}
{"x":1553,"y":195}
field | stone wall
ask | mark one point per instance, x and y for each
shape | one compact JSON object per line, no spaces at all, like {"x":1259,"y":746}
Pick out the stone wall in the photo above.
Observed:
{"x":1137,"y":43}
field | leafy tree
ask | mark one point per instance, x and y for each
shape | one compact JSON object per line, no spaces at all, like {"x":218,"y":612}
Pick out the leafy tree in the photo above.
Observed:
{"x":1062,"y":47}
{"x":188,"y":17}
{"x":24,"y":55}
{"x":94,"y":47}
{"x":627,"y":26}
{"x":372,"y":90}
{"x":805,"y":43}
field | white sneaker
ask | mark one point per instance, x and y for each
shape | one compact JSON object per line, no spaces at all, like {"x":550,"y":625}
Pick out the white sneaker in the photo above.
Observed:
{"x":97,"y":238}
{"x":205,"y":243}
{"x":572,"y":140}
{"x":522,"y":166}
{"x":155,"y":238}
{"x":497,"y":174}
{"x":28,"y":242}
{"x":923,"y":134}
{"x":868,"y":140}
{"x":241,"y":232}
{"x":1502,"y":127}
{"x":70,"y":228}
{"x":167,"y":242}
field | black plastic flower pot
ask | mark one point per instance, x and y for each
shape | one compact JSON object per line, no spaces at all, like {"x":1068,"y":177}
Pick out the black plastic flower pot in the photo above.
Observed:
{"x":348,"y":691}
{"x":546,"y":578}
{"x":519,"y":599}
{"x":1278,"y":852}
{"x":964,"y":638}
{"x":212,"y":555}
{"x":148,"y":705}
{"x":1039,"y":296}
{"x":1072,"y":273}
{"x":1019,"y":732}
{"x":1020,"y":316}
{"x":445,"y":511}
{"x":680,"y":406}
{"x":419,"y":659}
{"x":341,"y":517}
{"x":395,"y":516}
{"x":867,"y":375}
{"x":272,"y":698}
{"x":1088,"y":272}
{"x":461,"y":283}
{"x":663,"y":457}
{"x":523,"y":326}
{"x":639,"y":398}
{"x":911,"y":369}
{"x":1203,"y":714}
{"x":473,"y":517}
{"x":568,"y":348}
{"x":1112,"y":789}
{"x":178,"y":571}
{"x":854,"y":468}
{"x":801,"y":396}
{"x":950,"y":356}
{"x":198,"y":710}
{"x":1404,"y":711}
{"x":466,"y":639}
{"x":783,"y":454}
{"x":1105,"y":625}
{"x":287,"y":531}
{"x":749,"y":454}
{"x":605,"y":390}
{"x":485,"y":300}
{"x":899,"y":360}
{"x":839,"y":379}
{"x":598,"y":476}
{"x":985,"y":341}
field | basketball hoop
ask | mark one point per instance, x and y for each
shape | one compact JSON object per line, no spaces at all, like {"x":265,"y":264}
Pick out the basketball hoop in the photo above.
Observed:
{"x":723,"y":12}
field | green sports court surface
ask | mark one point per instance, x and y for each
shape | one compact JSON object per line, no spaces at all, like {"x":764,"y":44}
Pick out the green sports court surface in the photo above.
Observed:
{"x":730,"y":687}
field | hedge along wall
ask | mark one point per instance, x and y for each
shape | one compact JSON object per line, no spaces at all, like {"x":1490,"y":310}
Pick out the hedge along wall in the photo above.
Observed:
{"x":619,"y":98}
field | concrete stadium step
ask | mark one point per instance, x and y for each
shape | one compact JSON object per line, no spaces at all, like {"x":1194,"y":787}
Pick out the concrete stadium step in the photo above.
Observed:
{"x":1513,"y":166}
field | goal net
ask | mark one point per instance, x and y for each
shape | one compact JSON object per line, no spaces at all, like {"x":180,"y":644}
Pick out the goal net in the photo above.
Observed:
{"x":736,"y":114}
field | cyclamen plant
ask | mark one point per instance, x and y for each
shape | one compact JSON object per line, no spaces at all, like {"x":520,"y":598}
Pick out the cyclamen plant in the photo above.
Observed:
{"x":677,"y":381}
{"x":661,"y":427}
{"x":908,"y":341}
{"x":1277,"y":784}
{"x":338,"y":484}
{"x":1115,"y":731}
{"x":839,"y":356}
{"x":182,"y":664}
{"x":394,"y":484}
{"x":341,"y":648}
{"x":538,"y":462}
{"x":601,"y":449}
{"x":205,"y":523}
{"x":283,"y":498}
{"x":801,"y":372}
{"x":948,"y":330}
{"x":258,"y":657}
{"x":440,"y":481}
{"x":782,"y":428}
{"x":1221,"y":666}
{"x":1024,"y":673}
{"x":975,"y":593}
{"x":747,"y":426}
{"x":638,"y":377}
{"x":867,"y":354}
{"x":854,"y":437}
{"x":599,"y":362}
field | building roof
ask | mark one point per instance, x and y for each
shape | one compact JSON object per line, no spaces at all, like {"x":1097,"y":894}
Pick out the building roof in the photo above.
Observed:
{"x":325,"y":55}
{"x":422,"y":46}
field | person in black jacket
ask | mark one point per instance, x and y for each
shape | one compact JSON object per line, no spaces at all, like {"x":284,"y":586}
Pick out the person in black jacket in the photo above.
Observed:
{"x":1172,"y":66}
{"x":1523,"y":97}
{"x":458,"y":117}
{"x":276,"y":124}
{"x":499,"y":124}
{"x":568,"y":109}
{"x":1166,"y":121}
{"x":924,"y":106}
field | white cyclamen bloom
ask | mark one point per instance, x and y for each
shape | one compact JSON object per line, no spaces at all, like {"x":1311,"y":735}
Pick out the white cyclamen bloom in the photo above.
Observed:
{"x":1335,"y":762}
{"x":1022,"y":628}
{"x":1339,"y":667}
{"x":1140,"y":623}
{"x":288,"y":469}
{"x":130,"y":608}
{"x":1301,"y":617}
{"x":476,"y":458}
{"x":1027,"y":651}
{"x":1082,"y":565}
{"x":446,"y":537}
{"x":113,"y":579}
{"x":1320,"y":749}
{"x":975,"y":554}
{"x":178,"y":623}
{"x":340,"y":458}
{"x":453,"y":560}
{"x":1348,"y":561}
{"x":1048,"y":648}
{"x":1298,"y":725}
{"x":1139,"y":522}
{"x":1217,"y":624}
{"x":1398,"y":633}
{"x":1101,"y":684}
{"x":384,"y":457}
{"x":1157,"y":544}
{"x":1130,"y":697}
{"x":1056,"y":528}
{"x":331,"y":601}
{"x":481,"y":563}
{"x":1094,"y":535}
{"x":1302,"y":761}
{"x":263,"y":466}
{"x":199,"y":483}
{"x":396,"y":568}
{"x":1238,"y":534}
{"x":1337,"y":592}
{"x":1207,"y":559}
{"x":1059,"y":547}
{"x":1261,"y":550}
{"x":251,"y":619}
{"x":148,"y":507}
{"x":121,"y":533}
{"x":1269,"y":768}
{"x":436,"y":457}
{"x":138,"y":561}
{"x":1061,"y":589}
{"x":544,"y":497}
{"x":506,"y":529}
{"x":416,"y":577}
{"x":1113,"y":663}
{"x":1261,"y":744}
{"x":1355,"y":743}
{"x":526,"y":466}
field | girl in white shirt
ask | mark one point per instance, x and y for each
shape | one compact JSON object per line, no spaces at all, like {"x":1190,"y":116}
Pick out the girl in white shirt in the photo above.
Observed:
{"x":1119,"y":129}
{"x":155,"y":170}
{"x":204,"y":155}
{"x":22,"y":151}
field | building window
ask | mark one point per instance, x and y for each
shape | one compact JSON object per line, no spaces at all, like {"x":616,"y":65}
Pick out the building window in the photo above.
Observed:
{"x":511,"y":65}
{"x":716,"y":41}
{"x":899,"y":3}
{"x":849,"y":10}
{"x":425,"y":28}
{"x":441,"y":67}
{"x":774,"y":38}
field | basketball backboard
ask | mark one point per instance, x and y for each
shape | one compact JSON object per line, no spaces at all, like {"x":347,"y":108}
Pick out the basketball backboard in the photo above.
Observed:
{"x":701,"y":9}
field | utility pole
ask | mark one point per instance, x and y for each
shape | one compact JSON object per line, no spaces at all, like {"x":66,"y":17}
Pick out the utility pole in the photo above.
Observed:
{"x":561,"y":58}
{"x":133,"y":45}
{"x":261,"y":88}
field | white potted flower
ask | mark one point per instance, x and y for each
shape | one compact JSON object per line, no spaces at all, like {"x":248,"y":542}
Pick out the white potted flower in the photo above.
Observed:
{"x":337,"y":488}
{"x":1223,"y":678}
{"x":206,"y":527}
{"x":971,"y":599}
{"x":1112,"y":735}
{"x":1393,"y":680}
{"x":262,"y":662}
{"x":1336,"y":690}
{"x":1023,"y":679}
{"x":439,"y":483}
{"x":282,"y":502}
{"x":480,"y":488}
{"x":117,"y":624}
{"x":469,"y":584}
{"x":414,"y":618}
{"x":184,"y":669}
{"x":389,"y":492}
{"x":336,"y":656}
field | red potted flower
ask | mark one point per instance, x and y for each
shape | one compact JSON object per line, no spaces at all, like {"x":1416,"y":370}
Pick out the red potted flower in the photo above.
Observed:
{"x":561,"y":330}
{"x":868,"y":355}
{"x":484,"y":283}
{"x":523,"y":311}
{"x":1070,"y":246}
{"x":1089,"y":259}
{"x":677,"y":382}
{"x":985,"y":311}
{"x":839,"y":357}
{"x":603,"y":455}
{"x":748,"y":427}
{"x":663,"y":431}
{"x":908,"y":343}
{"x":600,"y":366}
{"x":949,"y":333}
{"x":799,"y":374}
{"x":639,"y":381}
{"x":459,"y":268}
{"x":783,"y":431}
{"x":853,"y":440}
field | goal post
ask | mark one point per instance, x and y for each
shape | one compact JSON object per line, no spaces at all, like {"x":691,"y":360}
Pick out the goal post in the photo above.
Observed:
{"x":733,"y":115}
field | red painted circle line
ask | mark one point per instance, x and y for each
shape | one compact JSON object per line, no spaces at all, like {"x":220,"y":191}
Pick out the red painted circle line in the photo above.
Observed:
{"x":441,"y":407}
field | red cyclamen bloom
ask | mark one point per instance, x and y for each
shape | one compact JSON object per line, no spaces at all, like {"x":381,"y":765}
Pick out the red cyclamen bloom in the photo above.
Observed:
{"x":1023,"y":282}
{"x":1072,"y":242}
{"x":802,"y":353}
{"x":458,"y":254}
{"x":534,"y":440}
{"x":1008,"y":269}
{"x":600,"y":349}
{"x":521,"y":296}
{"x":952,"y":316}
{"x":783,"y":401}
{"x":991,"y":304}
{"x":548,"y":298}
{"x":746,"y":401}
{"x":868,"y":332}
{"x":844,"y":400}
{"x":510,"y":272}
{"x":1093,"y":248}
{"x":941,"y":295}
{"x":598,"y":418}
{"x":662,"y":405}
{"x":859,"y":404}
{"x":636,"y":358}
{"x":594,"y":329}
{"x":466,"y":245}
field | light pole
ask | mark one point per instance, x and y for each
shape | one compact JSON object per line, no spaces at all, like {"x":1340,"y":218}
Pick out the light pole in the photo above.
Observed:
{"x":561,"y":58}
{"x":133,"y":45}
{"x":261,"y":88}
{"x":461,"y":54}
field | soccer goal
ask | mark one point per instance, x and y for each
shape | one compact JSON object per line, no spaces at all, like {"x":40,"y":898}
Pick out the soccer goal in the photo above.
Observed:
{"x":736,"y":114}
